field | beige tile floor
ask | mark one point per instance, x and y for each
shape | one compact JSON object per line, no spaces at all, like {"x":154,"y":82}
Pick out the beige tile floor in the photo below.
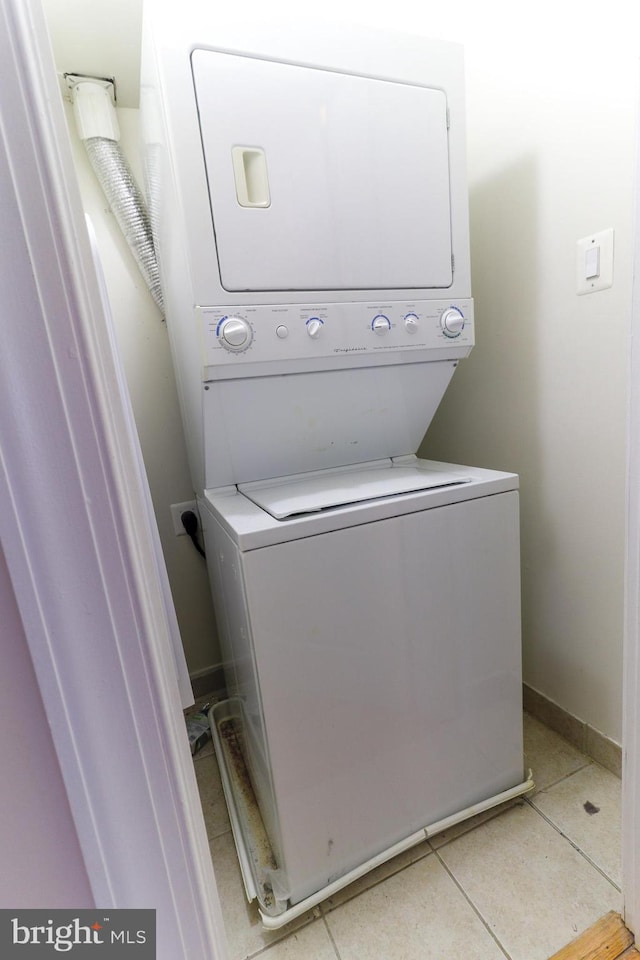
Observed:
{"x":519,"y":882}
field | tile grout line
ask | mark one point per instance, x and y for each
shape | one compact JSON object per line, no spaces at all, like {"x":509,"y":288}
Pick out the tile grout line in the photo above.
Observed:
{"x":474,"y":908}
{"x":572,"y":843}
{"x":567,"y":776}
{"x":218,"y":836}
{"x":330,"y":935}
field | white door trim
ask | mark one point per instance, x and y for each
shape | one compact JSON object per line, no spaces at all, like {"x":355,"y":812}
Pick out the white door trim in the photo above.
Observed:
{"x":631,"y":672}
{"x":76,"y":535}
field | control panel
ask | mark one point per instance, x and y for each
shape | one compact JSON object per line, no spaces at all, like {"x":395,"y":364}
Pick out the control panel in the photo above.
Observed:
{"x":239,"y":337}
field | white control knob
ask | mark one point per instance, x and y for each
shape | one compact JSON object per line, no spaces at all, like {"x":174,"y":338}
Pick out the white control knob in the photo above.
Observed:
{"x":452,"y":322}
{"x":411,"y":323}
{"x":235,"y":333}
{"x":381,"y":324}
{"x":314,"y":327}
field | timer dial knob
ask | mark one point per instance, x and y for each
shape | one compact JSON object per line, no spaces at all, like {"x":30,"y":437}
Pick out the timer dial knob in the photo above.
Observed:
{"x":314,"y":327}
{"x":381,"y":324}
{"x":452,"y":322}
{"x":235,"y":333}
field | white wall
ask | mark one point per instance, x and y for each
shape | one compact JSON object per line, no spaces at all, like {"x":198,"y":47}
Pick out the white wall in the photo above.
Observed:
{"x":551,"y":125}
{"x":552,"y":104}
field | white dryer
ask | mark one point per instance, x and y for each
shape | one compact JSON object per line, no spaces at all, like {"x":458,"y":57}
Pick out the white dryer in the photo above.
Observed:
{"x":310,"y":203}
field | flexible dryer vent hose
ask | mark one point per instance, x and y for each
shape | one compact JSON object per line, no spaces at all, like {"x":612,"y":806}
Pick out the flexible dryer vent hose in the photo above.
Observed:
{"x":98,"y":129}
{"x":128,"y":207}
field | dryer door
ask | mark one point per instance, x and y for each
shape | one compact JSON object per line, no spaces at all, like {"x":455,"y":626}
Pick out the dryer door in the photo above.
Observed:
{"x":321,"y":180}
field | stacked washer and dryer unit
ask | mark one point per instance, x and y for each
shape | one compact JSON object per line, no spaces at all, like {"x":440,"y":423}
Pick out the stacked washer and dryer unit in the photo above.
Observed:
{"x":310,"y":199}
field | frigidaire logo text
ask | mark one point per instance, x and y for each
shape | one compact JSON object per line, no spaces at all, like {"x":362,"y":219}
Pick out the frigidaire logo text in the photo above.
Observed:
{"x":42,"y":933}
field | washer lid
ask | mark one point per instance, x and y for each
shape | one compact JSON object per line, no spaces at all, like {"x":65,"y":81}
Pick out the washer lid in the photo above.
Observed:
{"x":312,"y":492}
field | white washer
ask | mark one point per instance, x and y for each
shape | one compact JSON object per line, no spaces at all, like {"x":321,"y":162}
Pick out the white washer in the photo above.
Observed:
{"x":373,"y":652}
{"x":310,"y":208}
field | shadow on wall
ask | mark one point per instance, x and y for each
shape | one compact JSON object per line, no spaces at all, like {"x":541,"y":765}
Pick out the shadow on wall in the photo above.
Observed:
{"x":489,"y":417}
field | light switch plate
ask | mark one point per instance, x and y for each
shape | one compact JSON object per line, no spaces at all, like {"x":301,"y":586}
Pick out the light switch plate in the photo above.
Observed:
{"x":603,"y":241}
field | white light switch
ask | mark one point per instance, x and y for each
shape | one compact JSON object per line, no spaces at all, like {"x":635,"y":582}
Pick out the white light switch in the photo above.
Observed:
{"x":594,"y":262}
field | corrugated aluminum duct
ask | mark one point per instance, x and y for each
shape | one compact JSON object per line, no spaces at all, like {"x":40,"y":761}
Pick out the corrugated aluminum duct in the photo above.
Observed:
{"x":98,"y":129}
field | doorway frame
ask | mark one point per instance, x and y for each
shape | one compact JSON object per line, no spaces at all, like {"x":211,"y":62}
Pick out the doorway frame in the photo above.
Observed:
{"x":631,"y":652}
{"x":75,"y":532}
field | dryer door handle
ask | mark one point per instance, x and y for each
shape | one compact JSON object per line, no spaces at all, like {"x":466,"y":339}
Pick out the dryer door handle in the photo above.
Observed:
{"x":251,"y":177}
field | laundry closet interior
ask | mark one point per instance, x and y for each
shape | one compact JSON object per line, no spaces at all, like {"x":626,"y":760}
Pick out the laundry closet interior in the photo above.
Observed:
{"x":403,"y":422}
